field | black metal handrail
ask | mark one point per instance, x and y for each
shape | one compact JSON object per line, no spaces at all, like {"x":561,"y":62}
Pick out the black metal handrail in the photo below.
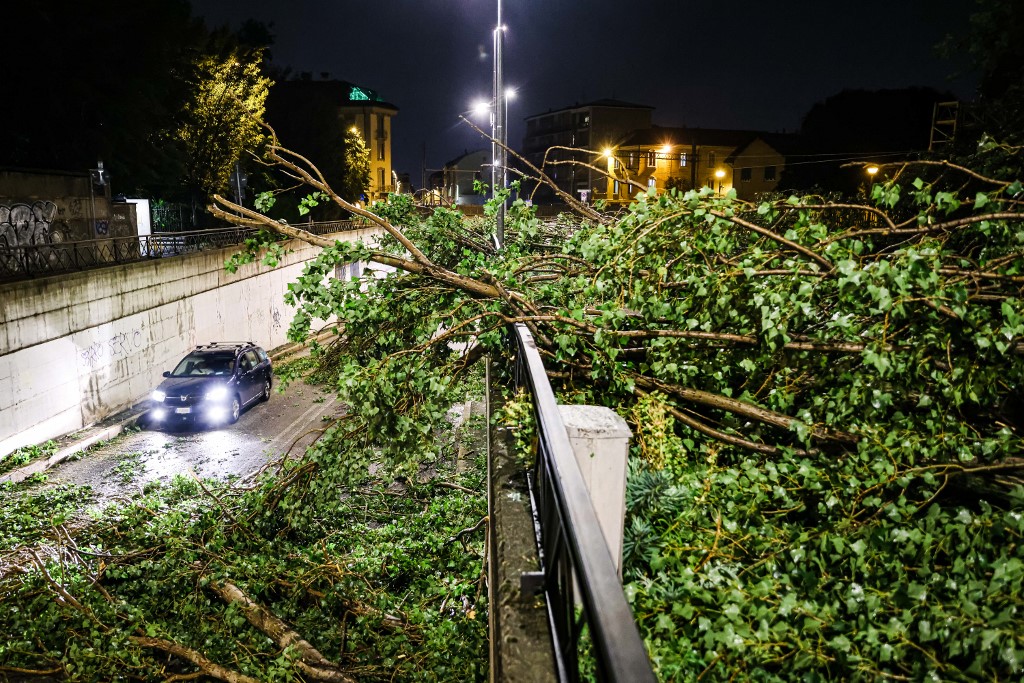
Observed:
{"x":39,"y":260}
{"x":572,"y":545}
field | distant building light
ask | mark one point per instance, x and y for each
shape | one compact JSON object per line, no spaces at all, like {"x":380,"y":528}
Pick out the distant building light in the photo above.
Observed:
{"x":357,"y":94}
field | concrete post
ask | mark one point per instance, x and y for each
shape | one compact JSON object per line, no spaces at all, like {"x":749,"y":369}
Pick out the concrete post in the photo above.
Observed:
{"x":600,"y":441}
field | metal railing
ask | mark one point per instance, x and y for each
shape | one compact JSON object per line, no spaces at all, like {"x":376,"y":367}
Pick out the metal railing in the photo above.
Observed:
{"x":573,"y":551}
{"x":40,"y":260}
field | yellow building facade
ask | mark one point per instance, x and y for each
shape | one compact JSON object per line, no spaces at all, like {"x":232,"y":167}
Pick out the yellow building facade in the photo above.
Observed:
{"x":685,"y":158}
{"x":371,"y":116}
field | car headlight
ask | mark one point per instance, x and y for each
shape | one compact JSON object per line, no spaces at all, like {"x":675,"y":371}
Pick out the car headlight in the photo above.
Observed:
{"x":159,"y":396}
{"x":216,"y":394}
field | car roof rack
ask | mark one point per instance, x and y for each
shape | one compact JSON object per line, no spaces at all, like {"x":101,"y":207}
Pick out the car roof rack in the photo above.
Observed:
{"x":225,"y":345}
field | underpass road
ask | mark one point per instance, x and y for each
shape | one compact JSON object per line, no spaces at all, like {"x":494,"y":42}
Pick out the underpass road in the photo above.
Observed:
{"x":264,"y":432}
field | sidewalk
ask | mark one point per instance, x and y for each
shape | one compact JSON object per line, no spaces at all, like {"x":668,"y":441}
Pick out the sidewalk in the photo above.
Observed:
{"x":110,"y":427}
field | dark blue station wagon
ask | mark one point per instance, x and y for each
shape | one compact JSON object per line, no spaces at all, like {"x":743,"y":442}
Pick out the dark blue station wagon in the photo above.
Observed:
{"x":213,"y":384}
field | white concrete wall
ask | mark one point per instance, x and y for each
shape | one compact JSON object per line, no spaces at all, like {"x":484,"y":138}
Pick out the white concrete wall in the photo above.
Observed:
{"x":77,"y":348}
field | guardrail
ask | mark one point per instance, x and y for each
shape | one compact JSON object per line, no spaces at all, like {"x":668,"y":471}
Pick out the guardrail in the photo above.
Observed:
{"x":40,"y":260}
{"x":573,"y":551}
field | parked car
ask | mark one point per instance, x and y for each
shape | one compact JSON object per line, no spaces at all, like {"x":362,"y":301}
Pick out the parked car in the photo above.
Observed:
{"x":214,"y":383}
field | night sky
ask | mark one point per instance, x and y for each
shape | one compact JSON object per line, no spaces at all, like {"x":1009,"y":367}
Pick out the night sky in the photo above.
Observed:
{"x":741,"y":64}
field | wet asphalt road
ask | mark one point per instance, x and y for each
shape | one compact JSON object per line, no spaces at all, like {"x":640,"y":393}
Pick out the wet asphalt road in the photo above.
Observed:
{"x":288,"y":422}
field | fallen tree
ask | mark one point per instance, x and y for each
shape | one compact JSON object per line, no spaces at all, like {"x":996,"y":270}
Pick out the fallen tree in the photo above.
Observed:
{"x":827,"y":396}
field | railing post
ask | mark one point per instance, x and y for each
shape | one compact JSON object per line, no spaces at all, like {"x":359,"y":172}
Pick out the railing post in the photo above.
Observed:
{"x":600,"y":442}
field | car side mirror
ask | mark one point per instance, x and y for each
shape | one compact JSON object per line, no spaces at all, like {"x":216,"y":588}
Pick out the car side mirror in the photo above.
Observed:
{"x":167,"y":373}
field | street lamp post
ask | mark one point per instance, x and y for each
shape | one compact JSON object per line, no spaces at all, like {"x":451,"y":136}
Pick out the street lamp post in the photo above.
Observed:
{"x":499,"y":138}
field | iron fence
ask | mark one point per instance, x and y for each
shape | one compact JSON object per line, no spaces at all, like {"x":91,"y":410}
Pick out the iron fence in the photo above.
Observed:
{"x":40,"y":260}
{"x":573,"y":553}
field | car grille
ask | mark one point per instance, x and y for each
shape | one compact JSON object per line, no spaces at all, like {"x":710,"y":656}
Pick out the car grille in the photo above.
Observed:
{"x":173,"y":400}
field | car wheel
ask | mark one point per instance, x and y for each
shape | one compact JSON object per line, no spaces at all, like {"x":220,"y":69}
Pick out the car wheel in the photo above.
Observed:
{"x":236,"y":410}
{"x":265,"y":396}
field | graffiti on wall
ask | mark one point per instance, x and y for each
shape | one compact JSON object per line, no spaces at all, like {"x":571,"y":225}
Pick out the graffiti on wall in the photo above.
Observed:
{"x":118,"y":346}
{"x":24,"y":224}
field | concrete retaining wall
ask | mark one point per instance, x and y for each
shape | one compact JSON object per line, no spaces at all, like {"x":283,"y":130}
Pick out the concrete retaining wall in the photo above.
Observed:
{"x":77,"y":348}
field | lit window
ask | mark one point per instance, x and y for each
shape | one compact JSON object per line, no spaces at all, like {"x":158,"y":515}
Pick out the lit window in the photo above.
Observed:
{"x":769,"y":173}
{"x":745,"y":175}
{"x":682,"y":159}
{"x":652,"y":159}
{"x":652,"y":182}
{"x":615,"y":188}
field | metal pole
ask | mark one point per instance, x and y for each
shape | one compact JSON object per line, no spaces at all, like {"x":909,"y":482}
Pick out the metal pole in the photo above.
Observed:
{"x":92,"y":204}
{"x":238,"y":184}
{"x":498,"y":155}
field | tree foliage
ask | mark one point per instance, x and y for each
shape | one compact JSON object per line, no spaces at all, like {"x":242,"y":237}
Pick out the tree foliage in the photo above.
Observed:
{"x":991,"y":138}
{"x":223,"y":117}
{"x":357,"y":166}
{"x":274,"y":580}
{"x":825,"y":483}
{"x":827,"y":398}
{"x":109,"y":82}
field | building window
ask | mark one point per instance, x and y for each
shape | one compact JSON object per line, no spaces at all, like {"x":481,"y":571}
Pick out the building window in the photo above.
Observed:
{"x":381,"y":151}
{"x":615,"y":188}
{"x":652,"y":182}
{"x":745,"y":175}
{"x":682,"y":158}
{"x":711,"y":159}
{"x":380,"y":179}
{"x":634,"y":162}
{"x":769,"y":173}
{"x":652,"y":159}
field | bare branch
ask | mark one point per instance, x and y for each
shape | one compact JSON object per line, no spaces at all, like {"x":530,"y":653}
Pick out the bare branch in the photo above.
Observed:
{"x":578,"y":206}
{"x":209,"y":668}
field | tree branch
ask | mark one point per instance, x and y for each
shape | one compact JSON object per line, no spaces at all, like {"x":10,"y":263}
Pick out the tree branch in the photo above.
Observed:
{"x":209,"y":668}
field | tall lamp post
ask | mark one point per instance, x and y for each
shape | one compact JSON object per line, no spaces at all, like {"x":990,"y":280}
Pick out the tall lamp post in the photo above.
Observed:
{"x":499,"y":140}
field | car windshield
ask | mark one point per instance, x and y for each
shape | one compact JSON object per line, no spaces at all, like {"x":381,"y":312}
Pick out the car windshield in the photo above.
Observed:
{"x":202,"y":364}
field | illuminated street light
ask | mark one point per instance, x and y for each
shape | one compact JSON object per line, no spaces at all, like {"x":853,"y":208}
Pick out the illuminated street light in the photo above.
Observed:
{"x":480,"y":108}
{"x":872,"y":170}
{"x":719,"y":174}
